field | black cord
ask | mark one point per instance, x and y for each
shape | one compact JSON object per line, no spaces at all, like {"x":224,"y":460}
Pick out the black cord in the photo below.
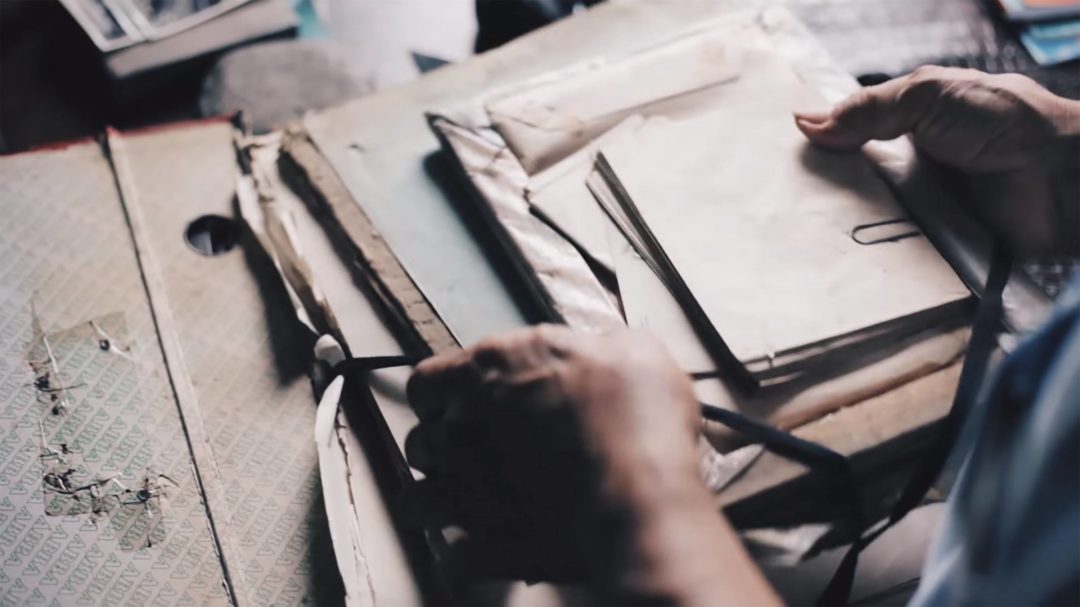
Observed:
{"x":785,"y":444}
{"x":983,"y":342}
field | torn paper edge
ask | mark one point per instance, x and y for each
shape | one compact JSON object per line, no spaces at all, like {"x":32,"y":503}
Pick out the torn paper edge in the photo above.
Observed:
{"x":337,"y":495}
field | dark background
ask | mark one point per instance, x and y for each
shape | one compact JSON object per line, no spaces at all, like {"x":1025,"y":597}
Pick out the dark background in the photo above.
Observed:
{"x":53,"y":86}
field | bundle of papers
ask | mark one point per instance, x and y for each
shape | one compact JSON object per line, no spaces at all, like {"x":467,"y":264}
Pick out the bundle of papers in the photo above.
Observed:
{"x":680,"y":178}
{"x":668,"y":190}
{"x":563,"y":169}
{"x":754,"y":232}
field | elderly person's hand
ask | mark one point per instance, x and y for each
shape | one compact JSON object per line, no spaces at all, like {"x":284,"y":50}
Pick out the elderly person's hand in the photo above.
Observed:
{"x":570,"y":456}
{"x":1009,"y":136}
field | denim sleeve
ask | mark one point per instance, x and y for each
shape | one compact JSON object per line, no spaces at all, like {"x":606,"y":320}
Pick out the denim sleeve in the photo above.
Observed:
{"x":1011,"y":533}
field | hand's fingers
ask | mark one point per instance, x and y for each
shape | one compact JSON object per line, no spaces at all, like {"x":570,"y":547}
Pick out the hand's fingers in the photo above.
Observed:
{"x":464,"y":502}
{"x":440,"y":380}
{"x":471,"y":560}
{"x":427,"y":503}
{"x":882,"y":112}
{"x":426,"y":447}
{"x":513,"y":559}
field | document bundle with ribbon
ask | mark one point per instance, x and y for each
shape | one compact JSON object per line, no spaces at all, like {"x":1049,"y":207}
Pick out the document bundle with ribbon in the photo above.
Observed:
{"x":789,"y":280}
{"x":823,"y":293}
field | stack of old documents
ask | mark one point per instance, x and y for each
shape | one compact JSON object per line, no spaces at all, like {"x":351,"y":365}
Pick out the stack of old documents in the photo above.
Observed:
{"x":758,"y":235}
{"x":671,"y":190}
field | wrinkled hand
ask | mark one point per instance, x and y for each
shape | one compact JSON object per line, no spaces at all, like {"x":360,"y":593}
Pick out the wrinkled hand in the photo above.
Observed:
{"x":1007,"y":134}
{"x":539,"y":442}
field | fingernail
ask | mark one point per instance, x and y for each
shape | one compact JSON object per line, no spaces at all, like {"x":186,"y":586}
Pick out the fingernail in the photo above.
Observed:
{"x":807,"y":127}
{"x":815,"y":118}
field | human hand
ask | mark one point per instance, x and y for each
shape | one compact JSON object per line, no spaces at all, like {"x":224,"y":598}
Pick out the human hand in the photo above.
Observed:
{"x":566,"y":456}
{"x":1005,"y":133}
{"x":541,"y":443}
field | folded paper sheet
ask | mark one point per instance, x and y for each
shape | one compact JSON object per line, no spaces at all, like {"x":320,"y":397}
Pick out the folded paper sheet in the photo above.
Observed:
{"x":559,"y":113}
{"x":560,"y":194}
{"x":754,"y":225}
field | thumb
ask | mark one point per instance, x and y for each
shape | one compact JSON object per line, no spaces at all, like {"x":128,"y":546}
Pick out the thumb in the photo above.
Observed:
{"x":884,"y":111}
{"x":826,"y":130}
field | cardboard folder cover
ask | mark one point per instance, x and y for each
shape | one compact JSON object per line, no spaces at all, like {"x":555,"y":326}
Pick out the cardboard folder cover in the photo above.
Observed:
{"x":197,"y":398}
